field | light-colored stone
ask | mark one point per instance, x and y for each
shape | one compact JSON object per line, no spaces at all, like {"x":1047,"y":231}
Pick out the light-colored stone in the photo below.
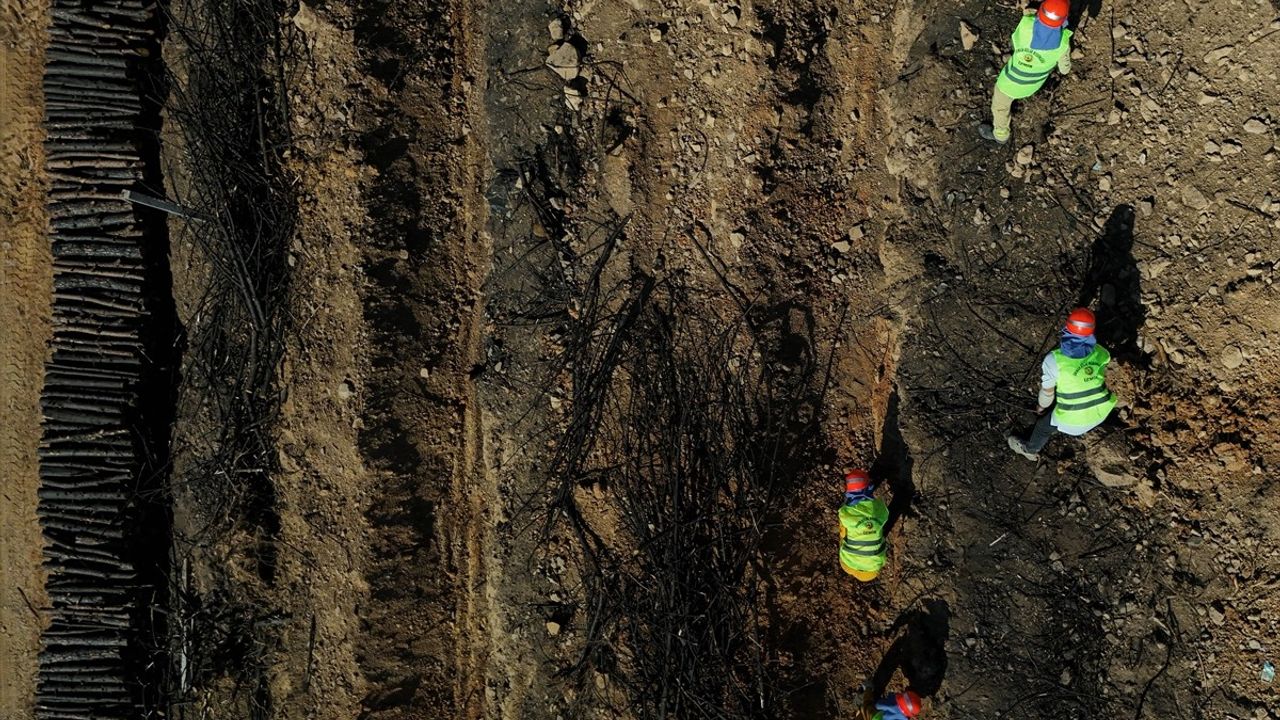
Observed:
{"x":1193,"y":198}
{"x":345,"y":390}
{"x":841,"y":246}
{"x":1254,"y":126}
{"x":1026,"y":155}
{"x":731,"y":16}
{"x":553,"y":628}
{"x":1232,"y":357}
{"x":968,"y":35}
{"x":565,"y":61}
{"x":555,"y":29}
{"x":1108,"y":458}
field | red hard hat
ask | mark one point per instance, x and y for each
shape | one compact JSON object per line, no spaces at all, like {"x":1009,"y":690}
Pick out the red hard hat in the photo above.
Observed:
{"x":1081,"y":322}
{"x":856,"y":480}
{"x":1053,"y":12}
{"x":909,"y":703}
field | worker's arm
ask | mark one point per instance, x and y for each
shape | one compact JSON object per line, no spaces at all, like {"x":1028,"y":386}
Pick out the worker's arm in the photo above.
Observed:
{"x":1064,"y":60}
{"x":1048,"y":383}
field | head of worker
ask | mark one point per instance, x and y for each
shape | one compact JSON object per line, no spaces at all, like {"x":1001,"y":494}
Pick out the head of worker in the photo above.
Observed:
{"x":1077,"y":338}
{"x":900,"y":706}
{"x":1051,"y":20}
{"x":858,"y":486}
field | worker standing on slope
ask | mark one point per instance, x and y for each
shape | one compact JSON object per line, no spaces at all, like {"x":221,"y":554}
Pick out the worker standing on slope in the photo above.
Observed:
{"x":894,"y":706}
{"x":1040,"y":42}
{"x":1075,"y":375}
{"x":862,"y":519}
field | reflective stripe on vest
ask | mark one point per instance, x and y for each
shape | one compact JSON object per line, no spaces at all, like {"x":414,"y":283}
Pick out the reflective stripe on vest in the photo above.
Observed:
{"x":1082,"y":394}
{"x":870,"y":548}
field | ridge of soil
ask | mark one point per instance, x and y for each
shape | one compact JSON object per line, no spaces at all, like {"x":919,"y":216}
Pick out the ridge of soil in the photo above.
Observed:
{"x":26,"y":286}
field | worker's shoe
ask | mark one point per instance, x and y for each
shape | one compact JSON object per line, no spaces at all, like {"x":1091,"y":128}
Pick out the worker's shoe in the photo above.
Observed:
{"x":1020,"y":447}
{"x":989,"y":133}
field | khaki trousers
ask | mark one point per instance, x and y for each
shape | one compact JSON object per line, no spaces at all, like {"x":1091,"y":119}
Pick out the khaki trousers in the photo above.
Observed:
{"x":1001,"y":105}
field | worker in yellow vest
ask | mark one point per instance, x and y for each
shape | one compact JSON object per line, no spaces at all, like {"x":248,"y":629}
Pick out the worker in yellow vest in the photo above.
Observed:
{"x":862,"y":519}
{"x":1040,"y":42}
{"x":1074,"y":382}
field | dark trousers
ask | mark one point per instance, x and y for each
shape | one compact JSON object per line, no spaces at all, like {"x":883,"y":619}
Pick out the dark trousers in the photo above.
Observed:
{"x":1041,"y":432}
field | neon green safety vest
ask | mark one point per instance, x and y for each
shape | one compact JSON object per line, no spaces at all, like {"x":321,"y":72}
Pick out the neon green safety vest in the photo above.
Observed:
{"x":1027,"y":69}
{"x":1082,"y":395}
{"x":862,"y":545}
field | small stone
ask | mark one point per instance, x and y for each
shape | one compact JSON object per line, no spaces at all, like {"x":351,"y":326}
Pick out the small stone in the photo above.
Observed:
{"x":1146,"y":207}
{"x":555,"y":29}
{"x":1255,"y":645}
{"x":856,"y":233}
{"x":841,"y":246}
{"x":345,"y":390}
{"x":1216,"y":617}
{"x":1104,"y":183}
{"x":424,"y":373}
{"x":731,"y":16}
{"x":655,"y":35}
{"x":968,"y":35}
{"x":1255,"y":126}
{"x":736,"y":239}
{"x":553,"y":628}
{"x":573,"y":96}
{"x":564,"y":61}
{"x":1193,"y":198}
{"x":1065,"y":678}
{"x":1232,"y":357}
{"x":1025,"y":155}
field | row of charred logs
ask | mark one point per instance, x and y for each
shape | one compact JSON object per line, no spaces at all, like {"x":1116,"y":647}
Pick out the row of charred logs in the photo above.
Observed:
{"x":91,"y":457}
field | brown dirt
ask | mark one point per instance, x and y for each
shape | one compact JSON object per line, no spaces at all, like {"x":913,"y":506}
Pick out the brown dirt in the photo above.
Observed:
{"x":819,"y":158}
{"x":25,"y":292}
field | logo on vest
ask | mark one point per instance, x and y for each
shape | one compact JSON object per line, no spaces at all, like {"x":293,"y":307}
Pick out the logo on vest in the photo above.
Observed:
{"x":1028,"y":58}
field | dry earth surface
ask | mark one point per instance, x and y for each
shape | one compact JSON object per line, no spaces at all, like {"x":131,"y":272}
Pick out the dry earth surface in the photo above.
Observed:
{"x":26,"y":288}
{"x":818,"y":162}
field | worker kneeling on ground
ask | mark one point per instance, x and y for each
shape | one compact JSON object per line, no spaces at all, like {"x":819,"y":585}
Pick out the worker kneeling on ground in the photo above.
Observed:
{"x":1076,"y":376}
{"x":1040,"y":42}
{"x":862,"y":519}
{"x":894,"y":706}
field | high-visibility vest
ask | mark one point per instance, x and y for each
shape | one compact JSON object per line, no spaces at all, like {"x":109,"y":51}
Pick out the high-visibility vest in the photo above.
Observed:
{"x":1027,"y":69}
{"x":1082,"y":397}
{"x":862,"y":545}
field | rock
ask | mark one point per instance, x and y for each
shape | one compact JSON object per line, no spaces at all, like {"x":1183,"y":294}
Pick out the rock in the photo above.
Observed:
{"x":841,"y":246}
{"x":1145,"y":207}
{"x":1025,"y":155}
{"x":968,"y":35}
{"x":1232,"y":357}
{"x":555,"y":29}
{"x":856,"y":233}
{"x":736,"y":239}
{"x":1104,"y":183}
{"x":565,"y":61}
{"x":553,"y":628}
{"x":655,"y":35}
{"x":731,"y":16}
{"x":345,"y":390}
{"x":1255,"y":126}
{"x":573,"y":96}
{"x":1108,"y":458}
{"x":1216,"y":616}
{"x":1193,"y":198}
{"x":424,"y":373}
{"x":1218,"y":54}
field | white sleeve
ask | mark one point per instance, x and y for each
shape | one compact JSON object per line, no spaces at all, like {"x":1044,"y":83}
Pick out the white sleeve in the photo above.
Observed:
{"x":1049,"y":372}
{"x":1048,"y":379}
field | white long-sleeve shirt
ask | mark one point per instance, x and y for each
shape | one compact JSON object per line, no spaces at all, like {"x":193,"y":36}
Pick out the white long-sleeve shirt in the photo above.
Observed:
{"x":1049,"y":381}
